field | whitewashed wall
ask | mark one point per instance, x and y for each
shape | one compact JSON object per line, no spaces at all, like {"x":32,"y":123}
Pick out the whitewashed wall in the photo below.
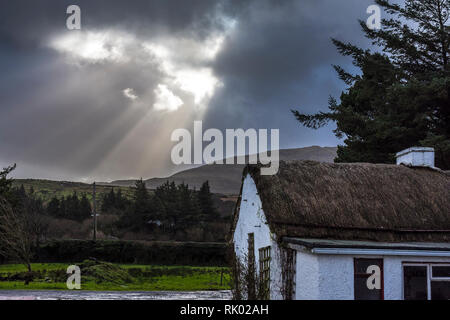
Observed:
{"x":253,"y":220}
{"x":331,"y":277}
{"x":307,"y":277}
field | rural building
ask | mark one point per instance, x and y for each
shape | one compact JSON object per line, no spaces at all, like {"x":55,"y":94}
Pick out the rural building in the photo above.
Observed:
{"x":344,"y":231}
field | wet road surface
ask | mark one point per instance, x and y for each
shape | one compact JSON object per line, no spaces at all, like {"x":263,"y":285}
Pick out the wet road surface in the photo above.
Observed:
{"x":110,"y":295}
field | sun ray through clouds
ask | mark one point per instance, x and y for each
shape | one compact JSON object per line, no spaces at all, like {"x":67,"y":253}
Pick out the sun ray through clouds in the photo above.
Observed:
{"x":186,"y":83}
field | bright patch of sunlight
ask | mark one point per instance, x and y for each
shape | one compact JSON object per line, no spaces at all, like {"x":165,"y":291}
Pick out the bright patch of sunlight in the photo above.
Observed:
{"x":200,"y":83}
{"x":92,"y":46}
{"x":166,"y":99}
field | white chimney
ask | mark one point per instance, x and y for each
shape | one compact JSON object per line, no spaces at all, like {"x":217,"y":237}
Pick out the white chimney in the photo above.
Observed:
{"x":416,"y":157}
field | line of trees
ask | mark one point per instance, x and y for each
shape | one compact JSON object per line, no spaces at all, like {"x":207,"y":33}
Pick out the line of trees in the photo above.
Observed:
{"x":71,"y":207}
{"x":170,"y":207}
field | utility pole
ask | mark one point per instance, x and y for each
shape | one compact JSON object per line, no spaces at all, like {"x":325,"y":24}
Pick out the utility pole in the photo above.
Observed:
{"x":94,"y":213}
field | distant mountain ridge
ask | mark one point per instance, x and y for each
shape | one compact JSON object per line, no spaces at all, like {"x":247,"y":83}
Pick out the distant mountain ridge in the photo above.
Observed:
{"x":226,"y":179}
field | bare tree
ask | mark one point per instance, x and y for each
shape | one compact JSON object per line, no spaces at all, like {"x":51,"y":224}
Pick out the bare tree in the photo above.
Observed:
{"x":16,"y":240}
{"x":36,"y":222}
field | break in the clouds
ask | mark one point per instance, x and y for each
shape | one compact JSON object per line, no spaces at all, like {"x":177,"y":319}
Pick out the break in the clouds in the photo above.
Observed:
{"x":101,"y":102}
{"x":130,"y":94}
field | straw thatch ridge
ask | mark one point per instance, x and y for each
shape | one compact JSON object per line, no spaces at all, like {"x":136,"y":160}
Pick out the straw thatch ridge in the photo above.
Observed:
{"x":355,"y":201}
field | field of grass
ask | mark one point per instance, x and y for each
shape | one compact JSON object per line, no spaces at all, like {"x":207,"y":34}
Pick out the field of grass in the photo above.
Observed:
{"x":100,"y":276}
{"x":46,"y":189}
{"x":17,"y":268}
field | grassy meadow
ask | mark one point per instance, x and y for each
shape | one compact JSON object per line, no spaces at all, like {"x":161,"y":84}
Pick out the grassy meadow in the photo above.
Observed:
{"x":102,"y":276}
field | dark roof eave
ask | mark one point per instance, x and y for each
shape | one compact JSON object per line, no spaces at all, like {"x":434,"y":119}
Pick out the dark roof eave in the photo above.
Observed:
{"x":398,"y":230}
{"x":314,"y":243}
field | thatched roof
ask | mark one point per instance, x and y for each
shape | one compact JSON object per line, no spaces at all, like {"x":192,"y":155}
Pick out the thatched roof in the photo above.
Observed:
{"x":355,"y":201}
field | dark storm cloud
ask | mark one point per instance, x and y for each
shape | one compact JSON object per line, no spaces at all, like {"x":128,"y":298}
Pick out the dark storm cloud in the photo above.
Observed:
{"x":25,"y":22}
{"x":64,"y":116}
{"x":282,"y":58}
{"x":57,"y":115}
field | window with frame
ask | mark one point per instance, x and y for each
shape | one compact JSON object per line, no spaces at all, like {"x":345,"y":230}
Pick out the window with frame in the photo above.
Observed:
{"x":426,"y":281}
{"x":264,"y":271}
{"x":368,"y":279}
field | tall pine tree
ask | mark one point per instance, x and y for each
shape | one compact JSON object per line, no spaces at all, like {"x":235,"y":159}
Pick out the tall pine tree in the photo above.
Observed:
{"x":85,"y":209}
{"x":6,"y":183}
{"x":141,"y":209}
{"x":401,"y":97}
{"x":53,"y":207}
{"x":206,"y":201}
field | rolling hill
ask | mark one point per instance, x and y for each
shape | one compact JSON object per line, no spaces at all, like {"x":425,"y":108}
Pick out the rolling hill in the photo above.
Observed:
{"x":226,"y":179}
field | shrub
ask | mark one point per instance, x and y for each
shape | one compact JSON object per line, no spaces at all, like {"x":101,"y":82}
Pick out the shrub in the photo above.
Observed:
{"x":156,"y":253}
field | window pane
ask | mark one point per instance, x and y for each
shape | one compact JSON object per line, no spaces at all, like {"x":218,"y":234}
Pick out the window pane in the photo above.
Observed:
{"x":440,"y":290}
{"x":415,"y":282}
{"x":362,"y":275}
{"x":441,"y":271}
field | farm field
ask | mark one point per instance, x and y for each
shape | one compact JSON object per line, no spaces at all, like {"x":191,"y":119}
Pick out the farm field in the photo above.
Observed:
{"x":102,"y":276}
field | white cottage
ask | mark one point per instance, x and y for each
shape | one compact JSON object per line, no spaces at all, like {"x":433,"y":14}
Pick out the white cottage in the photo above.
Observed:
{"x":320,"y":231}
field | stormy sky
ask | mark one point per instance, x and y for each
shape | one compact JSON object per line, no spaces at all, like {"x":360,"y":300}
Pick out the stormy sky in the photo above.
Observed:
{"x":101,"y":102}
